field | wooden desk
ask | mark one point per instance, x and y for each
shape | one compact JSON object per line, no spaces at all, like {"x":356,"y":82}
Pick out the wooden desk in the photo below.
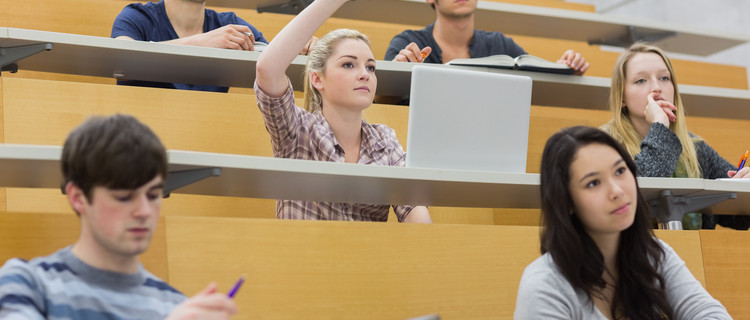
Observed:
{"x":106,"y":57}
{"x":32,"y":166}
{"x":536,"y":21}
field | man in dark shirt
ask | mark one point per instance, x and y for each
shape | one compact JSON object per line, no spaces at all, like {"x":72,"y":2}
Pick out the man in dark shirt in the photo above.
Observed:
{"x":184,"y":22}
{"x":453,"y":36}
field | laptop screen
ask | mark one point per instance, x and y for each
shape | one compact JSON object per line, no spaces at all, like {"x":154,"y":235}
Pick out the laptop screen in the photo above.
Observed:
{"x":468,"y":120}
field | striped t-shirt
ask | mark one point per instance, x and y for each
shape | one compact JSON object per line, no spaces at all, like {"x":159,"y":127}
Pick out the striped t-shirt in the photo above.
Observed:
{"x":61,"y":286}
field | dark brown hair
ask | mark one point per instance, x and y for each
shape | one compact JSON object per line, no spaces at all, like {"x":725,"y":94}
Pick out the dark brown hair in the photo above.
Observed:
{"x":116,"y":152}
{"x":639,"y":292}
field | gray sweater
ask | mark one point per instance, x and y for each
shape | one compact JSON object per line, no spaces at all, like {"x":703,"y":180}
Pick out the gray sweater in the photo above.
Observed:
{"x":661,"y":148}
{"x":544,"y":293}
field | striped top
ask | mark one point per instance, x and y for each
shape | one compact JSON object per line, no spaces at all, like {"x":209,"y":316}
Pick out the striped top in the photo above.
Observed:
{"x":61,"y":286}
{"x":299,"y":134}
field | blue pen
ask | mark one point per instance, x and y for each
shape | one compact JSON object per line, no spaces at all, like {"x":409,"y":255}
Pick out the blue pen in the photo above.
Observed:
{"x":236,"y":286}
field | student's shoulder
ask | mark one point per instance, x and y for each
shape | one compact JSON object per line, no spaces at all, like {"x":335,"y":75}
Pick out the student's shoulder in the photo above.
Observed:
{"x":14,"y":266}
{"x":412,"y":35}
{"x":383,"y":133}
{"x":541,"y":270}
{"x":157,"y":283}
{"x":223,"y":18}
{"x":543,"y":279}
{"x":17,"y":268}
{"x":148,"y":8}
{"x":142,"y":16}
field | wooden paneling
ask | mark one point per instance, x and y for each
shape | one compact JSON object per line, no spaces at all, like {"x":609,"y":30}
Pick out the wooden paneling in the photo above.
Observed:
{"x":728,"y":137}
{"x":453,"y":215}
{"x":207,"y":206}
{"x":2,"y":111}
{"x":52,"y":201}
{"x":90,"y":17}
{"x":687,"y":244}
{"x":43,"y":112}
{"x":545,"y":121}
{"x":517,"y":217}
{"x":3,"y":202}
{"x":37,"y":200}
{"x":29,"y":235}
{"x":370,"y":270}
{"x":726,"y":256}
{"x":353,"y":270}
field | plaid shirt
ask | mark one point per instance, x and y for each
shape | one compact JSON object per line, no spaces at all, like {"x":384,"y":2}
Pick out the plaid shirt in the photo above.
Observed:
{"x":298,"y":134}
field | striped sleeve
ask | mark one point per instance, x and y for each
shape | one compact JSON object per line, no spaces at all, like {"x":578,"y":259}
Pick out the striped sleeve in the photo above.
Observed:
{"x":20,"y":293}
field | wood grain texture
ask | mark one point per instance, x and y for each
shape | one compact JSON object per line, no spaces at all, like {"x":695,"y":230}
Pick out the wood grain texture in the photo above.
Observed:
{"x":43,"y":112}
{"x":3,"y":200}
{"x":340,"y":270}
{"x":726,"y":256}
{"x":687,"y":244}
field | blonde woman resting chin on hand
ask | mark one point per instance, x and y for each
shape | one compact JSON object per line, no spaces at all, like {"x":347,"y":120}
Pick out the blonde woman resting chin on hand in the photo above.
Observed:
{"x":340,"y":83}
{"x":648,"y":117}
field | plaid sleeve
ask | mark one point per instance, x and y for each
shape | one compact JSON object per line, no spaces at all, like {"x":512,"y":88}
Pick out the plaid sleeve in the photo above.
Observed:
{"x":20,"y":293}
{"x":282,"y":118}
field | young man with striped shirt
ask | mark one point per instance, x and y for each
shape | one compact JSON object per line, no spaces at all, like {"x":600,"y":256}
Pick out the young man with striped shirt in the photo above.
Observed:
{"x":114,"y":170}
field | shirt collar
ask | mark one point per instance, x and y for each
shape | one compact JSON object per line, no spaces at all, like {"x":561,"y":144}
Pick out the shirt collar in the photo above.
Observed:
{"x":371,"y":139}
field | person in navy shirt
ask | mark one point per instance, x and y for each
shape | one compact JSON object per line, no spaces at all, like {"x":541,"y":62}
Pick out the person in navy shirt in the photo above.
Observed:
{"x":184,"y":22}
{"x":453,"y":36}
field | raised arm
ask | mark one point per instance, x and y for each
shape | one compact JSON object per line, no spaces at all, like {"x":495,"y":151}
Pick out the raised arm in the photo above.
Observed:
{"x":271,"y":67}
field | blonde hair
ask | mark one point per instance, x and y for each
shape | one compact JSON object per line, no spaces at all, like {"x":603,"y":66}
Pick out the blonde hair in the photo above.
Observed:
{"x":621,"y":127}
{"x":316,"y":62}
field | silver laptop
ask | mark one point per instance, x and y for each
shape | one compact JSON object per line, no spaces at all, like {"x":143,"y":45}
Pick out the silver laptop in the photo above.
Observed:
{"x":468,"y":120}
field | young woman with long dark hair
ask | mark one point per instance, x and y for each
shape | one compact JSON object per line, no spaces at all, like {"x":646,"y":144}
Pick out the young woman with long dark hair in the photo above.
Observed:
{"x":600,"y":257}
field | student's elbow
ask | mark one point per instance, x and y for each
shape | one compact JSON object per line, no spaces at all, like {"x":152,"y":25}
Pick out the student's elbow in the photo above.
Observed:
{"x":262,"y":68}
{"x":418,"y":214}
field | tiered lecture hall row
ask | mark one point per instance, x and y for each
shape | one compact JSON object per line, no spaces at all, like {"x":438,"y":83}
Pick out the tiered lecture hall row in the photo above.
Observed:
{"x":467,"y":267}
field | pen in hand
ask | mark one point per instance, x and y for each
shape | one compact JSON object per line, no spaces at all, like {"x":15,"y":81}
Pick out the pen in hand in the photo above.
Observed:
{"x":236,"y":286}
{"x":742,"y":160}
